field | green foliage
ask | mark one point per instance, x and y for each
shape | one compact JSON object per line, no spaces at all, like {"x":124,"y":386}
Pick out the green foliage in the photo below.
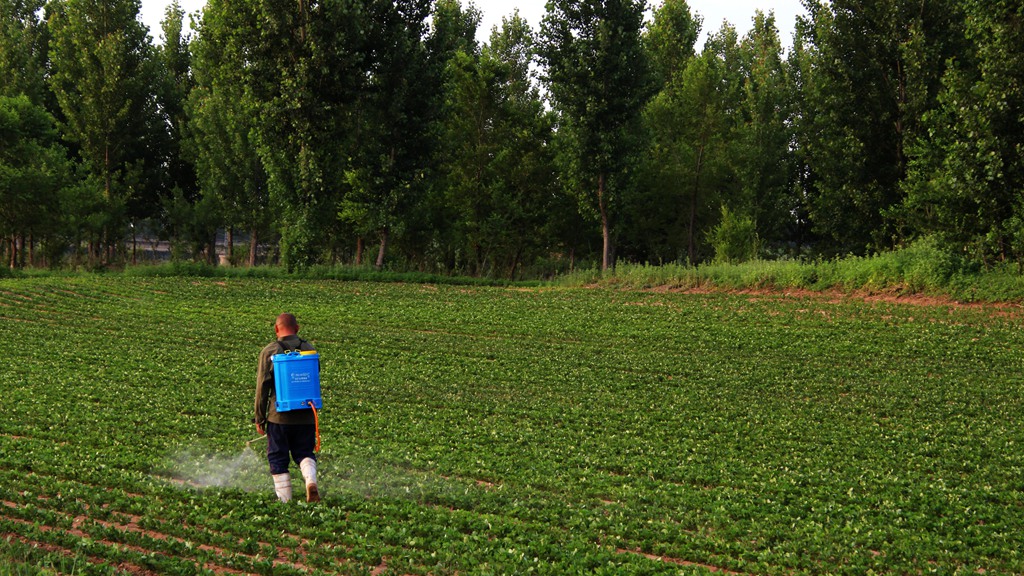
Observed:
{"x":394,"y":113}
{"x":763,"y":161}
{"x":734,"y":238}
{"x":874,"y":72}
{"x":328,"y":130}
{"x":497,"y":163}
{"x":721,"y":136}
{"x":192,"y":225}
{"x":967,"y":171}
{"x":688,"y":170}
{"x":187,"y":269}
{"x":32,"y":170}
{"x":23,"y":50}
{"x":670,"y":38}
{"x":303,"y":68}
{"x":173,"y":85}
{"x":224,"y":121}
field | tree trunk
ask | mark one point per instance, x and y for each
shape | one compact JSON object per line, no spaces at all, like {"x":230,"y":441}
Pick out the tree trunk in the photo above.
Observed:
{"x":606,"y":236}
{"x":515,"y":263}
{"x":230,"y":243}
{"x":359,"y":251}
{"x":252,"y":248}
{"x":383,"y":248}
{"x":692,"y":249}
{"x":303,"y":13}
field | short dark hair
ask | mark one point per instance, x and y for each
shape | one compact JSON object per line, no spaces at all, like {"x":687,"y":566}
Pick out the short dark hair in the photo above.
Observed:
{"x":287,"y":320}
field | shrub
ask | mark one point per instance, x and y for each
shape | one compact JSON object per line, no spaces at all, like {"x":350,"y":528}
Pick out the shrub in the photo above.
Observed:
{"x":734,"y":238}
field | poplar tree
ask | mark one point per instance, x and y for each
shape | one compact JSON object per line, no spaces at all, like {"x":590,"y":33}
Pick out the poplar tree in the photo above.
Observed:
{"x":876,"y":71}
{"x":304,"y":66}
{"x":498,"y":167}
{"x":186,"y":218}
{"x":223,"y":128}
{"x":103,"y":77}
{"x":174,"y":60}
{"x":391,"y":123}
{"x":32,"y":166}
{"x":598,"y":79}
{"x":671,"y":38}
{"x":691,"y":122}
{"x":654,"y":216}
{"x":762,"y":143}
{"x":31,"y":159}
{"x":967,"y":171}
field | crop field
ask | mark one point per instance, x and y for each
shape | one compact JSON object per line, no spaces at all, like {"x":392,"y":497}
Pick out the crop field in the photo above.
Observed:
{"x":510,"y":431}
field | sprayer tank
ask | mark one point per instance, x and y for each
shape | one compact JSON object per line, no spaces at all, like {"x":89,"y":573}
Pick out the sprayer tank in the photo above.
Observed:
{"x":297,"y":380}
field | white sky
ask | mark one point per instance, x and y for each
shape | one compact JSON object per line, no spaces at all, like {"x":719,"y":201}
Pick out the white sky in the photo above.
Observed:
{"x":739,"y":13}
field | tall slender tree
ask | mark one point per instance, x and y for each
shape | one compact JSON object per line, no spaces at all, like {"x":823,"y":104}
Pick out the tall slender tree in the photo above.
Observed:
{"x":103,"y":77}
{"x":391,"y":122}
{"x":177,"y":186}
{"x":671,"y":38}
{"x":691,"y":121}
{"x":654,"y":216}
{"x":32,"y":166}
{"x":223,"y":126}
{"x":763,"y":140}
{"x":174,"y":58}
{"x":304,"y":66}
{"x":498,"y":164}
{"x":967,"y":170}
{"x":876,"y":71}
{"x":599,"y":80}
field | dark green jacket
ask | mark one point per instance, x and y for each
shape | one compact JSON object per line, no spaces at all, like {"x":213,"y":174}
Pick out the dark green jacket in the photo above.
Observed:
{"x":266,"y":395}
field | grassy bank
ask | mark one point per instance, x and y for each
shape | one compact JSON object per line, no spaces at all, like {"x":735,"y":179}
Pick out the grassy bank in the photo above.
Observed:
{"x":917,"y":270}
{"x":920,"y":269}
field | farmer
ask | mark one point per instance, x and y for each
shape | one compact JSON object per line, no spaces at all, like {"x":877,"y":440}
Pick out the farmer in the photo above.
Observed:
{"x":288,"y":433}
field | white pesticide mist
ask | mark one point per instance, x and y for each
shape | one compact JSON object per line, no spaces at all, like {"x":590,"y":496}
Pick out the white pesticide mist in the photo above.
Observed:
{"x":368,"y":478}
{"x":347,"y":475}
{"x":244,"y":471}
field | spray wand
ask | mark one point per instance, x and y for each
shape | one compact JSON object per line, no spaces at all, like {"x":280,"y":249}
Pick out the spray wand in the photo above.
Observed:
{"x":248,"y":443}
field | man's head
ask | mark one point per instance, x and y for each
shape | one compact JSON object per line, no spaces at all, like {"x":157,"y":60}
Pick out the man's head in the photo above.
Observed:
{"x":286,"y":325}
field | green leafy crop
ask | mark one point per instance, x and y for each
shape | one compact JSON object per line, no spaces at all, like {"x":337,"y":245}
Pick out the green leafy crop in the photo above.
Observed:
{"x":484,"y":430}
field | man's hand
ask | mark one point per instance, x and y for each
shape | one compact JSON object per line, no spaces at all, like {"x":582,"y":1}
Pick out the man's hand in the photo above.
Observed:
{"x":259,"y":429}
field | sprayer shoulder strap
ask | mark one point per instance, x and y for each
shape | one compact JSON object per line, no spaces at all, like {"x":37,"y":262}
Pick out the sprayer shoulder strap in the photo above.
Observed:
{"x":285,"y":348}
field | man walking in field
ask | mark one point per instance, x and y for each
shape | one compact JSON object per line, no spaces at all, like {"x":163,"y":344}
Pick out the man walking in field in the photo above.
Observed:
{"x":291,"y":433}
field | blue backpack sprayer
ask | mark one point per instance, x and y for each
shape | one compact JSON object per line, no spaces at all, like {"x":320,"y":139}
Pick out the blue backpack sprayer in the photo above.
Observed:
{"x":297,"y":383}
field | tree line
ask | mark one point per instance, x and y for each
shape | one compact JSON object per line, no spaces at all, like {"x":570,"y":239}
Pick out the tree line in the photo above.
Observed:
{"x":382,"y":132}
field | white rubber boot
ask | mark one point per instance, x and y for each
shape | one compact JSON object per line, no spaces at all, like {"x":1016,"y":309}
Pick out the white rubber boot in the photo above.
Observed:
{"x":283,"y":486}
{"x":308,"y":467}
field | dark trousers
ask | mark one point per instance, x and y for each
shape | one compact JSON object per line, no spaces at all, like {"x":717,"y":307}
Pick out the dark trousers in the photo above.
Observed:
{"x":297,"y":440}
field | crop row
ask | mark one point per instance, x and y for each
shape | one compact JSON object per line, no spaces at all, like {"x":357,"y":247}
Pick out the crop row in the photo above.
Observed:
{"x":498,"y":430}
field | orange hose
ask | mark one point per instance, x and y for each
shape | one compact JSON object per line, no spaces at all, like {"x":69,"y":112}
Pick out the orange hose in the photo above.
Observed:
{"x":316,"y":419}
